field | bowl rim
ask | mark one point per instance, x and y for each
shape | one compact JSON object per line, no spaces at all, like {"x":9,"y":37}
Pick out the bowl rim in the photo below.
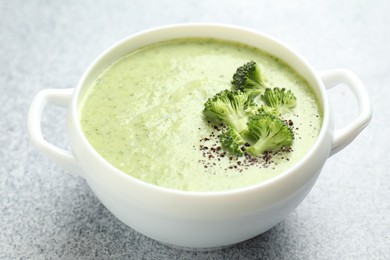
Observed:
{"x":321,"y":96}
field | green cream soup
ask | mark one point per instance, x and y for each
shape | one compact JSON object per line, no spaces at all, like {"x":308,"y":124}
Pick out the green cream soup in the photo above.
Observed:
{"x":143,"y":114}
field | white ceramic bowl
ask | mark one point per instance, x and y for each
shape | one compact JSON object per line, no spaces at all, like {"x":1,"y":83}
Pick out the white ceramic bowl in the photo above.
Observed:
{"x":199,"y":219}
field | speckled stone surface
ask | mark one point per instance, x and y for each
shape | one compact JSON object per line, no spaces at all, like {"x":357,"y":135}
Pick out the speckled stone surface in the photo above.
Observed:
{"x":46,"y":213}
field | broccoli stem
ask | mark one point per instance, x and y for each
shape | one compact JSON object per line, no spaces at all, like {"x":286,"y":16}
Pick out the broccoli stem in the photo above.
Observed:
{"x":239,"y":124}
{"x":258,"y":148}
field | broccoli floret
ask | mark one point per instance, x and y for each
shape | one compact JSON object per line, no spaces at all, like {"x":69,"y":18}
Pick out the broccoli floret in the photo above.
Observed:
{"x":268,"y":110}
{"x":249,"y":78}
{"x":231,"y":142}
{"x":270,"y":134}
{"x":231,"y":108}
{"x":279,"y":98}
{"x":252,"y":108}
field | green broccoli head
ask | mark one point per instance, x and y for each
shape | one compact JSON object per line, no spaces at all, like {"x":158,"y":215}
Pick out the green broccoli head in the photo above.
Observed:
{"x":249,"y":78}
{"x":251,"y":107}
{"x":279,"y":98}
{"x":229,"y":107}
{"x":270,"y":133}
{"x":268,"y":110}
{"x":231,"y":142}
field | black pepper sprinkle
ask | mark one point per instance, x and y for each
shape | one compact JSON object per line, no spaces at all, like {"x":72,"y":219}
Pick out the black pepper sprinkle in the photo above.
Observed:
{"x":213,"y":153}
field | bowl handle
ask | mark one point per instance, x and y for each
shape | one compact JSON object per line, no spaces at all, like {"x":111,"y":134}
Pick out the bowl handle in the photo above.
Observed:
{"x":60,"y":97}
{"x":344,"y":136}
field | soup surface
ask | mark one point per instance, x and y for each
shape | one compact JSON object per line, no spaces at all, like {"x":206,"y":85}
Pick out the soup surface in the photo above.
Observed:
{"x":143,"y":114}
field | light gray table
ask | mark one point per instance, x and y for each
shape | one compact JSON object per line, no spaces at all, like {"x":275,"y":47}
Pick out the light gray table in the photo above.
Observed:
{"x":45,"y":213}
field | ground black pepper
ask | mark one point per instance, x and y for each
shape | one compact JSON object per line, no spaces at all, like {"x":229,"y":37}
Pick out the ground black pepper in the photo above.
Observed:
{"x":213,"y":153}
